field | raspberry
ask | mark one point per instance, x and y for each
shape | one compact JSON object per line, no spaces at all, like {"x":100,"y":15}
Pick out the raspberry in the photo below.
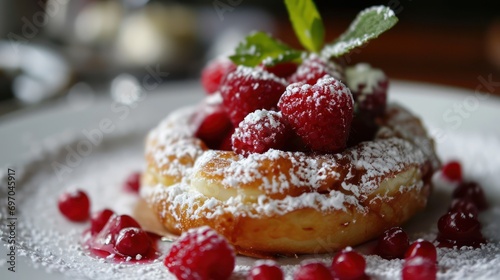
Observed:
{"x":214,"y":73}
{"x":320,"y":114}
{"x":393,"y":244}
{"x":74,"y":205}
{"x":246,"y":90}
{"x":214,"y":127}
{"x":314,"y":68}
{"x":313,"y":271}
{"x":369,"y":88}
{"x":422,"y":248}
{"x":99,"y":220}
{"x":418,"y":268}
{"x":265,"y":270}
{"x":226,"y":143}
{"x":260,"y":131}
{"x":452,"y":171}
{"x":201,"y":253}
{"x":473,"y":192}
{"x":133,"y":182}
{"x":363,"y":128}
{"x":132,"y":241}
{"x":282,"y":70}
{"x":348,"y":265}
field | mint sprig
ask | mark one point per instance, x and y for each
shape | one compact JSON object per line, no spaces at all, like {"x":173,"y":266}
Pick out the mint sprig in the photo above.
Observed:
{"x":307,"y":23}
{"x":368,"y":25}
{"x":259,"y":47}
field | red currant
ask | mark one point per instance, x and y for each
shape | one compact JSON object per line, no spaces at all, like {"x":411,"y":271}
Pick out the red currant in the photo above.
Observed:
{"x":99,"y":220}
{"x":133,"y":182}
{"x":266,"y":270}
{"x":348,"y":265}
{"x":393,"y":243}
{"x":472,"y":191}
{"x":132,"y":241}
{"x":464,"y":205}
{"x":313,"y":271}
{"x":422,"y":248}
{"x":452,"y":171}
{"x":418,"y":268}
{"x":459,"y":229}
{"x":74,"y":205}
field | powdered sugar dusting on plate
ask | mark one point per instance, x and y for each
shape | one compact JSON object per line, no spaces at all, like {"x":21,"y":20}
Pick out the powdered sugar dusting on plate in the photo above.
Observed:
{"x":48,"y":240}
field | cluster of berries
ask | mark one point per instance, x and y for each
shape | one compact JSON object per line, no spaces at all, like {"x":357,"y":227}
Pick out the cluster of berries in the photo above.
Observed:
{"x":110,"y":234}
{"x":292,"y":107}
{"x":201,"y":253}
{"x":460,"y":225}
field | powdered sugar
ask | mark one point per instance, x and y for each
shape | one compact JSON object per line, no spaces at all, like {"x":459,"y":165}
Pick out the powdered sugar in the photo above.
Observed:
{"x":48,"y":240}
{"x":255,"y":73}
{"x":363,"y":76}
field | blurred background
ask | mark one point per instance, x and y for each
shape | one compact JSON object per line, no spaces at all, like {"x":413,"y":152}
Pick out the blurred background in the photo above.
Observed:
{"x":53,"y":49}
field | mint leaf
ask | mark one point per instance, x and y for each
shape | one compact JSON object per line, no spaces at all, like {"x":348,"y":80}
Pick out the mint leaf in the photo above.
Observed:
{"x":260,"y":47}
{"x":307,"y":23}
{"x":368,"y":25}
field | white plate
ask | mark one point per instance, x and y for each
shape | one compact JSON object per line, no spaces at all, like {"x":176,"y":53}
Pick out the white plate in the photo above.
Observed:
{"x":463,"y":123}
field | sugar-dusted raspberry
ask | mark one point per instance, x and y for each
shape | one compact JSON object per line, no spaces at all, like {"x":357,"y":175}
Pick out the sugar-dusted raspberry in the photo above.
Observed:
{"x":313,"y":271}
{"x":473,"y":192}
{"x":418,"y":268}
{"x":214,"y":73}
{"x":393,"y":243}
{"x":422,"y":248}
{"x":314,"y":68}
{"x":201,"y":253}
{"x":320,"y":114}
{"x":246,"y":90}
{"x":260,"y":131}
{"x":282,"y":70}
{"x":452,"y":171}
{"x":265,"y":270}
{"x":369,"y":88}
{"x":74,"y":205}
{"x":349,"y":265}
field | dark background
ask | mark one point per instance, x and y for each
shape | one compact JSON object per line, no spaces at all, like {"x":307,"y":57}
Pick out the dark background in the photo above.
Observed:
{"x":442,"y":42}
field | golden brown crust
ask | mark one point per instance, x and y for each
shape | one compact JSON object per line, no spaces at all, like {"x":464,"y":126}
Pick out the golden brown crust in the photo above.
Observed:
{"x":268,"y":204}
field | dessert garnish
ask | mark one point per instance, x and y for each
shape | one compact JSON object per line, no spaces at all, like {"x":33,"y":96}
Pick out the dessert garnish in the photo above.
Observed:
{"x":120,"y":238}
{"x":201,"y":253}
{"x":452,"y":171}
{"x":265,"y":270}
{"x":133,"y":182}
{"x":74,"y":205}
{"x":392,"y":244}
{"x":313,"y":271}
{"x":422,"y":248}
{"x":349,"y":265}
